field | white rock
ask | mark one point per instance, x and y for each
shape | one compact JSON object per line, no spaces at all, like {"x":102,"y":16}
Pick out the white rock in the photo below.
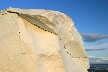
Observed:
{"x":35,"y":40}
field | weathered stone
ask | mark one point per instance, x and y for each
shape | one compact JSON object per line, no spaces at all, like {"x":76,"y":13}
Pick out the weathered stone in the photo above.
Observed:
{"x":35,"y":40}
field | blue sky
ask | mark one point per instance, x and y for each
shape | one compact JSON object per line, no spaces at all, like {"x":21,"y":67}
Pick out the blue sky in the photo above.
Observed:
{"x":90,"y":18}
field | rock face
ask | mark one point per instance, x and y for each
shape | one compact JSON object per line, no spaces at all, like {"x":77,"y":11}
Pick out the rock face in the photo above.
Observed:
{"x":35,"y":40}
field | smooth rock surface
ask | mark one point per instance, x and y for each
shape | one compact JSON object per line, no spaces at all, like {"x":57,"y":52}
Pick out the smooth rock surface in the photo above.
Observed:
{"x":36,"y":40}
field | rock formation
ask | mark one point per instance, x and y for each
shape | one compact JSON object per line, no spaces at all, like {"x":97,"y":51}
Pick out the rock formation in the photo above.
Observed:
{"x":36,"y":40}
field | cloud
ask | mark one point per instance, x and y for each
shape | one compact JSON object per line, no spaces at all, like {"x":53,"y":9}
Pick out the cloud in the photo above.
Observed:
{"x":94,"y":60}
{"x":91,"y":56}
{"x":96,"y":49}
{"x":93,"y":37}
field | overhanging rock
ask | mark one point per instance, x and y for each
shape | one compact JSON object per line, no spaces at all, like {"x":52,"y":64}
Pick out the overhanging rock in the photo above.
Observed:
{"x":36,"y":40}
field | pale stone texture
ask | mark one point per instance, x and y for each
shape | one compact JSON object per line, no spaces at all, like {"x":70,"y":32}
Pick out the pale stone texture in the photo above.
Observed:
{"x":35,"y":40}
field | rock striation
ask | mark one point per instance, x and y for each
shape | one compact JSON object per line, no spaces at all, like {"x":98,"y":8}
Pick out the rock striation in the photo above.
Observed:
{"x":37,"y":40}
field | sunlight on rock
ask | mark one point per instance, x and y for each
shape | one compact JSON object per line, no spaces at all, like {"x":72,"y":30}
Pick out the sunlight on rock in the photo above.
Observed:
{"x":35,"y":40}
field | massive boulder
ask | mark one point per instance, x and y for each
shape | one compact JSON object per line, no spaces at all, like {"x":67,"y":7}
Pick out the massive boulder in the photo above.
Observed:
{"x":36,"y":40}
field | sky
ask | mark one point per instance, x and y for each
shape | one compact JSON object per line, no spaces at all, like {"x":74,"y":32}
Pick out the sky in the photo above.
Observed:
{"x":90,"y":18}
